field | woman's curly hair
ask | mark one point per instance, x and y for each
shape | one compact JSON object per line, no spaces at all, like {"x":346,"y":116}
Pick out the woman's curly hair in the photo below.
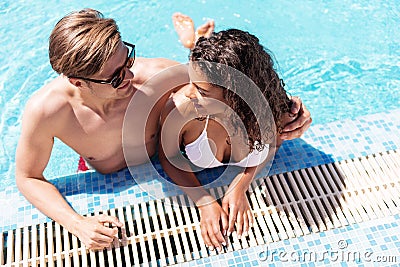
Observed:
{"x":242,"y":51}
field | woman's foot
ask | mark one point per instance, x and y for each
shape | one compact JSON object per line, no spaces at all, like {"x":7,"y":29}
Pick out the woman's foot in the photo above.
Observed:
{"x":184,"y":27}
{"x":205,"y":30}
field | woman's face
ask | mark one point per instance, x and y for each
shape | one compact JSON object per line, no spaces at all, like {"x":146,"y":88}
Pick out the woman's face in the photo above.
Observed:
{"x":207,"y":98}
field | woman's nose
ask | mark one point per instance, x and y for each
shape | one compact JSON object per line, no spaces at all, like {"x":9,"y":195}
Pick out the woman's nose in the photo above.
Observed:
{"x":191,"y":91}
{"x":128,"y":74}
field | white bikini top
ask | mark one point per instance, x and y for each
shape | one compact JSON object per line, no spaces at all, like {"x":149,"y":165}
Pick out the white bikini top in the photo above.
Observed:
{"x":200,"y":154}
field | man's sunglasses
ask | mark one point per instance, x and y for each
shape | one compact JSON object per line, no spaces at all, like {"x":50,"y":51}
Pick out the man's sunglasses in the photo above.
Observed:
{"x":119,"y":75}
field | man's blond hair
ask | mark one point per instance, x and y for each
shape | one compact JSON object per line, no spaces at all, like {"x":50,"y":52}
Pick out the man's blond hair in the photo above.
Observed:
{"x":81,"y":42}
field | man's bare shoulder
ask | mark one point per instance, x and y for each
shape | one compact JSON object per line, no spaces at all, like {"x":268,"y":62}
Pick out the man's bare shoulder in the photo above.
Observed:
{"x":147,"y":68}
{"x":157,"y":64}
{"x":48,"y":102}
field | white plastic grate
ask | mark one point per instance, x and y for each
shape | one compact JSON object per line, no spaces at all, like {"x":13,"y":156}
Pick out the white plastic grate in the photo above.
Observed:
{"x":167,"y":232}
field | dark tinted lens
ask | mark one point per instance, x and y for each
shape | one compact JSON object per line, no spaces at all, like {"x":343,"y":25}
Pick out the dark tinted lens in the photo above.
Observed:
{"x":129,"y":64}
{"x":118,"y":80}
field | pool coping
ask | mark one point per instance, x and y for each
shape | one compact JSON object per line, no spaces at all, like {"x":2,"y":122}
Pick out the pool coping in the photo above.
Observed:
{"x":90,"y":192}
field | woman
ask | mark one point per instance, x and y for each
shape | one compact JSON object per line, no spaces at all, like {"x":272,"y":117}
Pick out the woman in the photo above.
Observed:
{"x":229,"y":114}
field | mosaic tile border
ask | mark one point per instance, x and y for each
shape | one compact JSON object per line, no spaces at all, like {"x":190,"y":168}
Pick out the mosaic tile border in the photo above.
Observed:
{"x":371,"y":243}
{"x":89,"y":192}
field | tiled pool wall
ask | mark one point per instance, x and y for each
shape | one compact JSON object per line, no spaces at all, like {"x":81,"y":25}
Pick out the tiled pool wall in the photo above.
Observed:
{"x":90,"y":191}
{"x":371,"y":243}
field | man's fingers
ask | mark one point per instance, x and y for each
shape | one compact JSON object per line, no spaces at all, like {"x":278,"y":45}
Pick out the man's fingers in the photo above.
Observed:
{"x":296,"y":105}
{"x":298,"y":128}
{"x":104,"y":231}
{"x":110,"y":219}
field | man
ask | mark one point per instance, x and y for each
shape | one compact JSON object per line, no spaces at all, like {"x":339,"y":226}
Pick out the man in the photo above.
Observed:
{"x":85,"y":108}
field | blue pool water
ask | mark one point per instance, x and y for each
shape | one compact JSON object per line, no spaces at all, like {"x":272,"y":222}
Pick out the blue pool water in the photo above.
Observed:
{"x":341,"y":57}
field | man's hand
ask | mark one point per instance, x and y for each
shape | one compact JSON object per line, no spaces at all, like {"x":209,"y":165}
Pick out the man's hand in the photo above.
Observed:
{"x":303,"y":120}
{"x":94,"y":234}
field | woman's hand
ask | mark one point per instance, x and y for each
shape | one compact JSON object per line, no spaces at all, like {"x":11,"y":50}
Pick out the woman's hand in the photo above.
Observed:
{"x":213,"y":223}
{"x":235,"y":204}
{"x":297,"y":127}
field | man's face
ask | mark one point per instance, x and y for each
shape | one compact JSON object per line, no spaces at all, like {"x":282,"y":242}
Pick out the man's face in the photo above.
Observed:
{"x":116,"y":68}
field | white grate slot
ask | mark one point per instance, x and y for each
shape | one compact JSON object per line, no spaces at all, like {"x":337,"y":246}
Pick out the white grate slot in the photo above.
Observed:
{"x":131,"y":229}
{"x":292,"y":208}
{"x":295,"y":188}
{"x":192,"y":239}
{"x":167,"y":232}
{"x":34,"y":247}
{"x":157,"y":230}
{"x":173,"y":239}
{"x":263,"y":204}
{"x":196,"y":221}
{"x":10,"y":247}
{"x":50,"y":245}
{"x":322,"y":198}
{"x":67,"y":247}
{"x":116,"y":244}
{"x":149,"y":238}
{"x":310,"y":200}
{"x":259,"y":227}
{"x":346,"y":204}
{"x":25,"y":248}
{"x":18,"y":243}
{"x":163,"y":224}
{"x":181,"y":229}
{"x":354,"y":193}
{"x":140,"y":234}
{"x":58,"y":240}
{"x":2,"y":248}
{"x":287,"y":227}
{"x":381,"y":171}
{"x":376,"y":202}
{"x":42,"y":246}
{"x":333,"y":194}
{"x":358,"y":191}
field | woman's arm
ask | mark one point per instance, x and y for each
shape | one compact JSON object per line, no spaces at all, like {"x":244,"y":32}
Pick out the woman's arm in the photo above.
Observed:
{"x":179,"y":169}
{"x":235,"y":202}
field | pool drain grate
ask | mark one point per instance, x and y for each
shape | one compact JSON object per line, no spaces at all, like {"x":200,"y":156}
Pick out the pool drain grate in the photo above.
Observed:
{"x":167,"y":231}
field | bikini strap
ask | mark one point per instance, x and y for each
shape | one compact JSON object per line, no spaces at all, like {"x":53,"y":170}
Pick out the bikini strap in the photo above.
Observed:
{"x":208,"y":117}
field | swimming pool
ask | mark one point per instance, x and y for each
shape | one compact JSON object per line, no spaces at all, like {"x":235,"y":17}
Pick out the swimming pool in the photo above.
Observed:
{"x":341,"y":57}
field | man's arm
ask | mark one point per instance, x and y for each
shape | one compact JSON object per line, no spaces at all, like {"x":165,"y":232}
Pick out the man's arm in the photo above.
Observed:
{"x":32,"y":155}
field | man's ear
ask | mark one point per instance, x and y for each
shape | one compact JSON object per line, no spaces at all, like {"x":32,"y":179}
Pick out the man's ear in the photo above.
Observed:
{"x":75,"y":82}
